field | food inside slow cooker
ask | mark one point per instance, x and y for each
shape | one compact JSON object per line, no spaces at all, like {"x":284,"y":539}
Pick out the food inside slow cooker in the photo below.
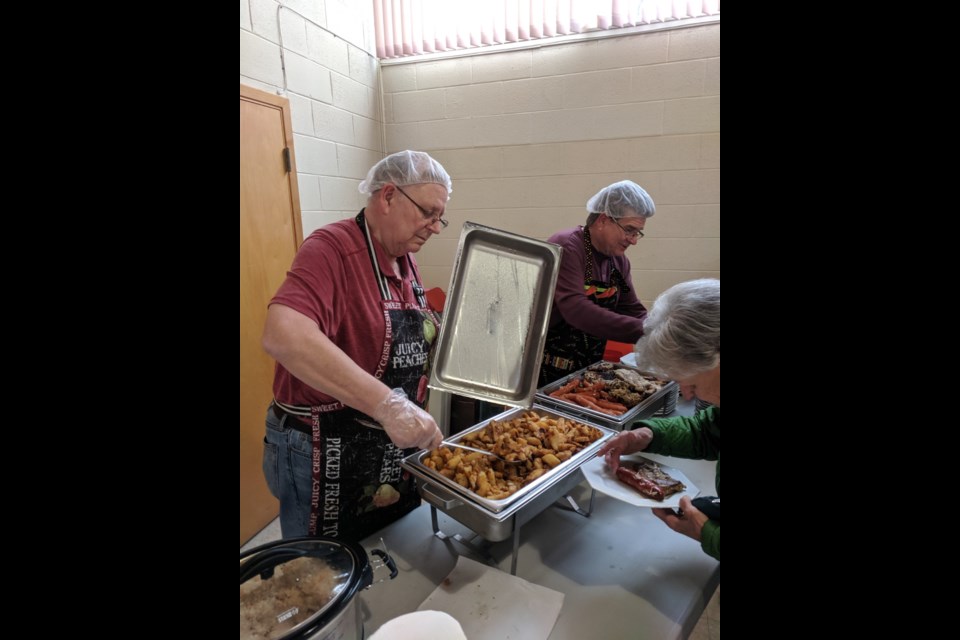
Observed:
{"x":541,"y":443}
{"x":298,"y":589}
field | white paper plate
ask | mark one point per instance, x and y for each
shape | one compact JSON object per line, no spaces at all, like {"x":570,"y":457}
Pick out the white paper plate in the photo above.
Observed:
{"x":601,"y":478}
{"x":421,"y":625}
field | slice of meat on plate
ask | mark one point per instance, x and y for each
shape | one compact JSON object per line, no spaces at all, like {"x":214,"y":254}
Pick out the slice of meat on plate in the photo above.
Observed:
{"x":649,"y":480}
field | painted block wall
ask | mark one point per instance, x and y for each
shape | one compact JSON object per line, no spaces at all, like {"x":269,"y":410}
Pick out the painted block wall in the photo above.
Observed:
{"x":528,"y":136}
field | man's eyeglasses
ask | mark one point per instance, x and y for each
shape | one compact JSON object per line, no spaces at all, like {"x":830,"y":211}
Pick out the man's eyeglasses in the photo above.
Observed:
{"x":630,"y":233}
{"x":426,"y":214}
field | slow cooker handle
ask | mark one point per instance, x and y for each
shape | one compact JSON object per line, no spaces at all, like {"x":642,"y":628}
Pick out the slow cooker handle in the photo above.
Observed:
{"x":387,"y":560}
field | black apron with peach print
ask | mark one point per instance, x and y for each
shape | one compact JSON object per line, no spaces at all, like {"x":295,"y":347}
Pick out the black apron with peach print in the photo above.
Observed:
{"x":358,"y":484}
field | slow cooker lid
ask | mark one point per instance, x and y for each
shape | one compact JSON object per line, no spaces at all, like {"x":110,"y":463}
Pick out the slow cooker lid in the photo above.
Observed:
{"x":288,"y":586}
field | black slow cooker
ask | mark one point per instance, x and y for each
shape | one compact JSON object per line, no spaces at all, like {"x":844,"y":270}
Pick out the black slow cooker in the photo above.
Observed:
{"x":305,"y":588}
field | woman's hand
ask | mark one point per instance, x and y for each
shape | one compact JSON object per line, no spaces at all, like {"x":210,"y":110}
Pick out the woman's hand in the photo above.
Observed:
{"x":623,"y":443}
{"x":689,"y":521}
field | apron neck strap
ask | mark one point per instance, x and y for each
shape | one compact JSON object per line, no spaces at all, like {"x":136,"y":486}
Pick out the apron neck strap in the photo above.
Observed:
{"x":372,"y":252}
{"x":381,"y":281}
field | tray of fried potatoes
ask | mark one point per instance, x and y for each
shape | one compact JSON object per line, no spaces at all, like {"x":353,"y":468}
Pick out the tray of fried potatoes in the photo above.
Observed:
{"x":547,"y":444}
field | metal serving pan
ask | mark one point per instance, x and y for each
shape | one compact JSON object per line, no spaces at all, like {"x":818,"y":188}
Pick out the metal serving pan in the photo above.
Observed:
{"x":495,"y":527}
{"x":495,"y":324}
{"x":645,"y":409}
{"x":440,"y":490}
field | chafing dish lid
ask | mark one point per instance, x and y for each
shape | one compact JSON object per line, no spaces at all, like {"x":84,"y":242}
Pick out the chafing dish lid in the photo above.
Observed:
{"x":497,"y":314}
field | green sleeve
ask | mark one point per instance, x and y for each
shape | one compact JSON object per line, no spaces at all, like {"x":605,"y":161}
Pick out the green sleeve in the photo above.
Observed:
{"x":696,"y":437}
{"x":710,"y":538}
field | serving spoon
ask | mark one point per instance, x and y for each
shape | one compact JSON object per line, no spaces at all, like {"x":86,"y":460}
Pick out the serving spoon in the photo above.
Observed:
{"x":483,"y":451}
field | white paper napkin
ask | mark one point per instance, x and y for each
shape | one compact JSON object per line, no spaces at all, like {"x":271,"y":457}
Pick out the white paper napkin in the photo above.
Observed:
{"x":492,"y":605}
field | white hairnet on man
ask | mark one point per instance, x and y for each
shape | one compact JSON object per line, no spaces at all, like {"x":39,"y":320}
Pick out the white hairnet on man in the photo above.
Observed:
{"x":621,"y":200}
{"x":404,"y":168}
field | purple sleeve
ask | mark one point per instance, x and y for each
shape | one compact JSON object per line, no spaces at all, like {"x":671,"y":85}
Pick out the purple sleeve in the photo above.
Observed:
{"x":623,"y":325}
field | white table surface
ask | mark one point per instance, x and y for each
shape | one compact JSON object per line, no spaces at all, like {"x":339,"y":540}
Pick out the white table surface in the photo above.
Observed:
{"x":624,"y":573}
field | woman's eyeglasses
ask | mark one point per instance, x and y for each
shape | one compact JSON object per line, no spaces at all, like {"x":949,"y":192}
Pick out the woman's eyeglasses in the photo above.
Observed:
{"x":426,"y":214}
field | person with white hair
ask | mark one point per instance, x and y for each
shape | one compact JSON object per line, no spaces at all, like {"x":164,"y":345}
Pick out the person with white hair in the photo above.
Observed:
{"x":682,"y":341}
{"x":595,"y":299}
{"x":351,"y":332}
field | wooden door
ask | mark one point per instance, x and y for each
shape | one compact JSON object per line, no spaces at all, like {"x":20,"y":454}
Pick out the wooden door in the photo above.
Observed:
{"x":270,"y":233}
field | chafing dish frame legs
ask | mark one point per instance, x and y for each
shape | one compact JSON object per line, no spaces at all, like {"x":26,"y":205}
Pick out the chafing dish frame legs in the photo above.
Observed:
{"x":481,"y":551}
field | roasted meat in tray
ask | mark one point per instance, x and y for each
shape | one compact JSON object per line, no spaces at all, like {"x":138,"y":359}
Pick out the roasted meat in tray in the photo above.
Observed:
{"x":611,"y":393}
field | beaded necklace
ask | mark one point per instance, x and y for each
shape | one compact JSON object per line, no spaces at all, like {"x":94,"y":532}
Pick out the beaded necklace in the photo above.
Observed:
{"x":616,"y":278}
{"x":588,"y":247}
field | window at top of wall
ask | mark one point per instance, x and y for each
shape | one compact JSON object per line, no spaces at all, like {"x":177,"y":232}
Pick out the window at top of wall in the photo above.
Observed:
{"x":437,"y":27}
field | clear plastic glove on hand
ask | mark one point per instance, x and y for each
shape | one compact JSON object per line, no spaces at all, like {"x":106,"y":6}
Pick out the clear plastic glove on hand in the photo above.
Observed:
{"x":407,"y":424}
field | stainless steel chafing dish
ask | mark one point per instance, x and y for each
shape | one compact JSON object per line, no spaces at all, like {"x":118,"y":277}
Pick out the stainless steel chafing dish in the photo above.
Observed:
{"x":496,"y":520}
{"x":647,"y":408}
{"x":490,"y":347}
{"x":509,"y":505}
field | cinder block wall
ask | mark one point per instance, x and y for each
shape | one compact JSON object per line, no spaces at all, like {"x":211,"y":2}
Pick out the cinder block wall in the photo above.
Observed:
{"x":332,"y":85}
{"x":527,"y":135}
{"x":530,"y":135}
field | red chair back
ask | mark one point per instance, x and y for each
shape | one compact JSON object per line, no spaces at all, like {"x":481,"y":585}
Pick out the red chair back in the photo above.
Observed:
{"x":616,"y":350}
{"x":436,"y":298}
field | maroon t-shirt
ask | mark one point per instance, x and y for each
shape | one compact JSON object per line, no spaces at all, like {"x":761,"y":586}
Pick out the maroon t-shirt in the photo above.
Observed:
{"x":332,"y":282}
